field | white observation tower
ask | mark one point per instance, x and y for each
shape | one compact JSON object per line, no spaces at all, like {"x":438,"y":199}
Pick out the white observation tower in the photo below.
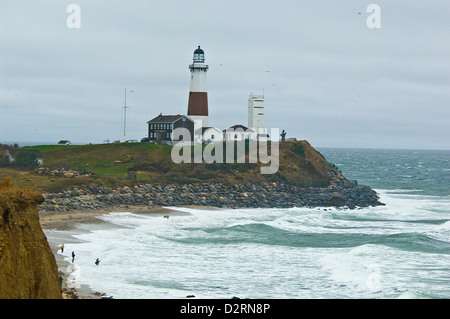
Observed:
{"x":198,"y":96}
{"x":256,"y":113}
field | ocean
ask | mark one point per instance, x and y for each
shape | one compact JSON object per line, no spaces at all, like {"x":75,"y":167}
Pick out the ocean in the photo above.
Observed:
{"x":400,"y":250}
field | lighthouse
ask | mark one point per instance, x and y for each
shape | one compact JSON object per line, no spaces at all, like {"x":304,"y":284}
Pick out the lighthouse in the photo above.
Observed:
{"x":198,"y":96}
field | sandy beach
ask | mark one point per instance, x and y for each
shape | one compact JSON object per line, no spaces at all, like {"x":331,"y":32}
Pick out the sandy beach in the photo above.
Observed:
{"x":59,"y":227}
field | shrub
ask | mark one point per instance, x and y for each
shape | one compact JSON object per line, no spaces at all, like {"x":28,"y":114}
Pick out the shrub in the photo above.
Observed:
{"x":26,"y":160}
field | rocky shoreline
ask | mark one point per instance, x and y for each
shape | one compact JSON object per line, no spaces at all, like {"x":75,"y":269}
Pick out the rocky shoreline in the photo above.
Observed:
{"x":261,"y":195}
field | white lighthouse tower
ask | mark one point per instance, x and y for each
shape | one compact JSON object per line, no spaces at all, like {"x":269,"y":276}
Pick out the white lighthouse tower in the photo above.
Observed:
{"x":198,"y":96}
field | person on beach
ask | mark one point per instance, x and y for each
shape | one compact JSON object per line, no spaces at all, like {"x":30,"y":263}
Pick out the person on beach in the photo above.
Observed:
{"x":97,"y":261}
{"x":62,"y":248}
{"x":73,"y":256}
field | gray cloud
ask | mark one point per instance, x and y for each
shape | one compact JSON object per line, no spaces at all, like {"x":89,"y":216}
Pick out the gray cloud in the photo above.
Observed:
{"x":332,"y":80}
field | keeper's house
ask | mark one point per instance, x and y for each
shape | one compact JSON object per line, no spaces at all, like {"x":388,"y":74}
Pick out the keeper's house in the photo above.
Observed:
{"x":160,"y":129}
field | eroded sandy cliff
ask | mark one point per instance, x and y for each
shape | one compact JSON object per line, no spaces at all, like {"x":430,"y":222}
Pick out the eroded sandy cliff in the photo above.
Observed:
{"x":28,"y":268}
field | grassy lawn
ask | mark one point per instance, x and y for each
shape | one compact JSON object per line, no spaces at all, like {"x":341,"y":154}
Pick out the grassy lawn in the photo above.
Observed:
{"x":300,"y":164}
{"x":104,"y":160}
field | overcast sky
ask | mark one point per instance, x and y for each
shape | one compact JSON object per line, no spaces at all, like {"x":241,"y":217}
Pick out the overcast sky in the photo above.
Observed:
{"x":326,"y":76}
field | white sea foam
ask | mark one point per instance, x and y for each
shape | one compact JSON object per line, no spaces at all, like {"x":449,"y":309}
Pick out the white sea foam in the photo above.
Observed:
{"x":313,"y":252}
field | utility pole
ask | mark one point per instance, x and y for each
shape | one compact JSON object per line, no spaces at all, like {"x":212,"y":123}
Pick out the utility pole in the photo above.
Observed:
{"x":125,"y":117}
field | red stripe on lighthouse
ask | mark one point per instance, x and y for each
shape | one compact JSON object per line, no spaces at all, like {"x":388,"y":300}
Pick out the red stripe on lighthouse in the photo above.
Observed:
{"x":198,"y":104}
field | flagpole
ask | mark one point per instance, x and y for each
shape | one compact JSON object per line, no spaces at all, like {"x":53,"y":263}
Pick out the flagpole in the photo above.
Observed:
{"x":125,"y":118}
